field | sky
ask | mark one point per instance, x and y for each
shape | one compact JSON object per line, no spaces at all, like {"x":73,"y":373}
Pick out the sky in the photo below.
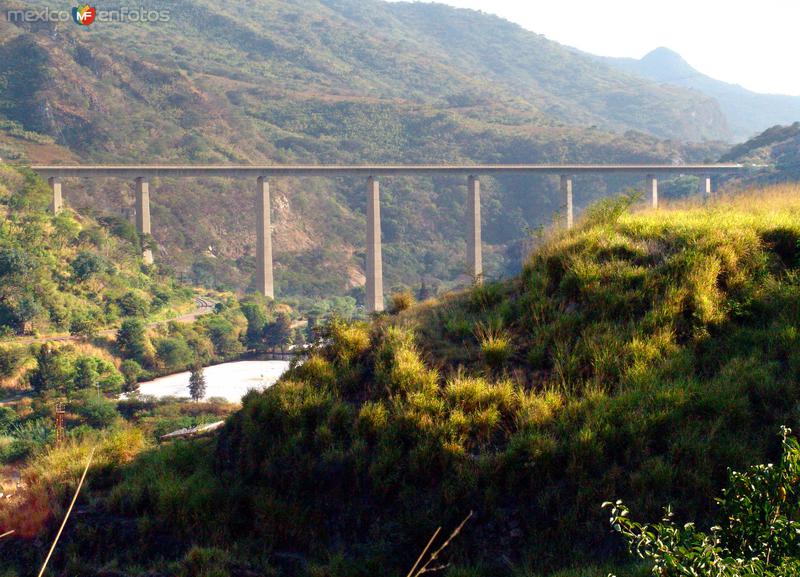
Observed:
{"x":752,"y":43}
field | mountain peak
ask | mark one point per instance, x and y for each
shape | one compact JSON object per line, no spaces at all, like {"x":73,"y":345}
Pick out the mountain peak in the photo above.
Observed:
{"x":666,"y":60}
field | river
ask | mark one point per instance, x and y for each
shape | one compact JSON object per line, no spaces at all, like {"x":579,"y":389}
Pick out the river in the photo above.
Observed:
{"x":230,"y":381}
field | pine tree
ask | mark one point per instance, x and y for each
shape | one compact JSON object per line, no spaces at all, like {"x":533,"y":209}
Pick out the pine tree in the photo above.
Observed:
{"x":197,"y":384}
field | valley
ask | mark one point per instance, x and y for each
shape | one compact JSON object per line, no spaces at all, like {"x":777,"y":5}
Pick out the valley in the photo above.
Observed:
{"x":321,"y":288}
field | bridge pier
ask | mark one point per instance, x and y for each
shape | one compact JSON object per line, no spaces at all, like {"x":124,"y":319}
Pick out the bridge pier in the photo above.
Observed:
{"x":705,"y":185}
{"x":143,"y":216}
{"x":651,"y":188}
{"x":374,"y":261}
{"x":566,"y":193}
{"x":58,"y":202}
{"x":264,"y":280}
{"x":474,"y":249}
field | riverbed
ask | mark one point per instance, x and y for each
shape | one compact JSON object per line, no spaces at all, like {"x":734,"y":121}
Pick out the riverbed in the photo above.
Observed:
{"x":229,"y":381}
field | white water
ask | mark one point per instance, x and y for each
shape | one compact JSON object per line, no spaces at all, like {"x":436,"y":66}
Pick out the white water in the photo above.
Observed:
{"x":230,"y":381}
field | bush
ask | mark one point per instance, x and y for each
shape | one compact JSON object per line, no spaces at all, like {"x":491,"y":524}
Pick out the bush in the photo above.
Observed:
{"x":131,"y":371}
{"x":495,"y":344}
{"x":11,"y":358}
{"x":758,"y":532}
{"x":174,"y":353}
{"x":97,"y":411}
{"x":205,"y":562}
{"x":133,"y":304}
{"x":133,"y":343}
{"x":400,"y":302}
{"x":86,"y":264}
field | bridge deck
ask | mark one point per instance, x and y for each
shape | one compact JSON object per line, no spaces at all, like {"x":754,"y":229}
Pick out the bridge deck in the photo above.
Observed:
{"x":152,"y":170}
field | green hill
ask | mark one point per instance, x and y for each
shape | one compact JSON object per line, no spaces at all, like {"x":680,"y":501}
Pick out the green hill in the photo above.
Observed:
{"x":776,"y":151}
{"x":636,"y":357}
{"x":72,"y":273}
{"x":334,"y":81}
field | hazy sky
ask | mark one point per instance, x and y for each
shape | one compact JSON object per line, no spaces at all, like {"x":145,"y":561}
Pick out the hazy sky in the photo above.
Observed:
{"x":753,"y":43}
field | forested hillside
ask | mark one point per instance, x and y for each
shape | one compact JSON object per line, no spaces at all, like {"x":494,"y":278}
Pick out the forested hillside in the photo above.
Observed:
{"x":72,"y":273}
{"x":335,"y":81}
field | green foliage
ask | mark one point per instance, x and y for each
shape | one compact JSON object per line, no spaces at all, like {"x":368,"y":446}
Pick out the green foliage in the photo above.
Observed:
{"x":53,"y":370}
{"x":103,"y":277}
{"x":205,"y":562}
{"x":133,"y":304}
{"x":256,"y":315}
{"x":758,"y":531}
{"x":131,"y":371}
{"x":279,"y":332}
{"x":133,"y":342}
{"x":96,"y":411}
{"x":197,"y":384}
{"x":174,"y":353}
{"x":86,"y":264}
{"x":609,"y":210}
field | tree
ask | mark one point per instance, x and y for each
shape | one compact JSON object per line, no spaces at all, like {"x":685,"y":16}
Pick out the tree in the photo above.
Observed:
{"x":256,"y":316}
{"x":279,"y":333}
{"x":85,"y":373}
{"x":133,"y":343}
{"x":197,"y":384}
{"x":758,"y":532}
{"x":133,"y":304}
{"x":53,"y":370}
{"x":85,"y":265}
{"x":223,"y":335}
{"x":131,"y":370}
{"x":174,"y":352}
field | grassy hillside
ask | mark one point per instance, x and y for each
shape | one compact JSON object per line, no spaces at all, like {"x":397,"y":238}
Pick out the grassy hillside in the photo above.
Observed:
{"x":636,"y":357}
{"x":339,"y":81}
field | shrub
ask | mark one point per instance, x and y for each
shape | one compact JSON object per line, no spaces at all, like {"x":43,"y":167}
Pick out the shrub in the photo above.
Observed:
{"x":495,"y":346}
{"x":205,"y":562}
{"x":133,"y":343}
{"x":133,"y":304}
{"x":11,"y":358}
{"x":54,"y":369}
{"x":131,"y":371}
{"x":347,"y":340}
{"x":86,"y":264}
{"x":174,"y":353}
{"x":758,"y":532}
{"x":97,"y":411}
{"x":401,"y":301}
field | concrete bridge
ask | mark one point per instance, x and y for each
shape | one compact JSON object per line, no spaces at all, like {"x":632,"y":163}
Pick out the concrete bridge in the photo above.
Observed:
{"x":374,"y":302}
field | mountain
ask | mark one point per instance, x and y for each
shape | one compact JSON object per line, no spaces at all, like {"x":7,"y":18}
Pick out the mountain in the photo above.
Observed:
{"x":747,"y":112}
{"x":334,"y":81}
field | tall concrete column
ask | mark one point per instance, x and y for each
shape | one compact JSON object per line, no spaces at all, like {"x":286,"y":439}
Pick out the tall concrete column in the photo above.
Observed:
{"x":143,"y":215}
{"x":566,"y":193}
{"x":651,"y":188}
{"x":705,"y":185}
{"x":474,"y":251}
{"x":374,"y":260}
{"x":58,"y":202}
{"x":264,"y":282}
